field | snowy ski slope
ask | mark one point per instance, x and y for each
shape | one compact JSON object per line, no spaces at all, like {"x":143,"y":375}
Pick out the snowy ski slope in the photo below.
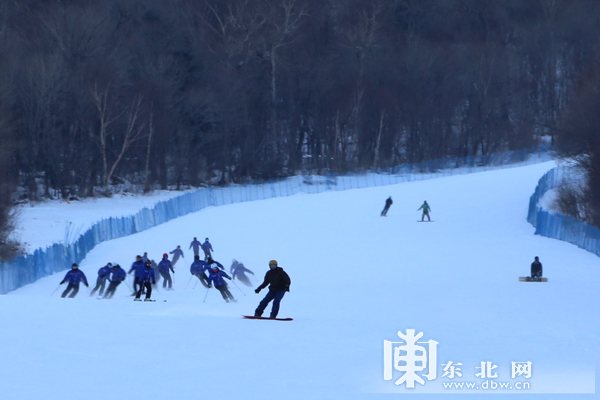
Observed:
{"x":357,"y":279}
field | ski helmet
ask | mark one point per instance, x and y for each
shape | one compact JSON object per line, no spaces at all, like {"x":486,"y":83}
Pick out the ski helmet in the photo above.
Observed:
{"x":214,"y":266}
{"x":165,"y":255}
{"x":148,"y":262}
{"x":272,"y":263}
{"x":74,"y":266}
{"x":109,"y":265}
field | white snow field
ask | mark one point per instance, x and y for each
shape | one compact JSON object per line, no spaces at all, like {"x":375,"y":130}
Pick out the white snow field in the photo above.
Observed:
{"x":357,"y":280}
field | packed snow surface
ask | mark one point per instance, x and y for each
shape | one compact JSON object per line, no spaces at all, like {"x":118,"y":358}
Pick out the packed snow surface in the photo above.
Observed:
{"x":357,"y":280}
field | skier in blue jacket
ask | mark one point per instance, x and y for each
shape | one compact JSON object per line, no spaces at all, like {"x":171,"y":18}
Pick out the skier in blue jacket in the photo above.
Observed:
{"x":136,"y":268}
{"x":195,"y":245}
{"x":163,"y":268}
{"x":216,"y":277}
{"x":197,"y":269}
{"x":146,"y":279}
{"x":207,"y":248}
{"x":117,"y":276}
{"x":239,"y":273}
{"x":176,"y":254}
{"x":103,"y":274}
{"x":74,"y":276}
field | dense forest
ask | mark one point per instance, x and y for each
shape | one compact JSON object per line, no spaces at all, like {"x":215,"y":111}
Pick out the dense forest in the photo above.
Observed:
{"x":157,"y":94}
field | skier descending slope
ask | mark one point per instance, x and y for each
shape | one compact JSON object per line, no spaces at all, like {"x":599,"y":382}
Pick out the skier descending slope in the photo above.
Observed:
{"x":239,"y":273}
{"x":146,"y":279}
{"x":103,"y":274}
{"x":163,"y":268}
{"x":279,"y":282}
{"x":116,"y":277}
{"x":208,"y":249}
{"x":216,"y":276}
{"x":197,"y":269}
{"x":74,"y":276}
{"x":195,"y":245}
{"x":176,"y":254}
{"x":388,"y":204}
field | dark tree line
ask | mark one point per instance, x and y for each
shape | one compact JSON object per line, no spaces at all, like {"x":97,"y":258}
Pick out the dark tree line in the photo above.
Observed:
{"x":186,"y":92}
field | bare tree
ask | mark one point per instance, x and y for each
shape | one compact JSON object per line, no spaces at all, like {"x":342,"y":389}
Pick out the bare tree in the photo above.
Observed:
{"x":107,"y":136}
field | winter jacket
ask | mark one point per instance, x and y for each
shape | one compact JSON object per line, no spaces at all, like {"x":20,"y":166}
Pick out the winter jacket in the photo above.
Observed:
{"x":425,"y":208}
{"x":147,"y":275}
{"x":104,"y":272}
{"x":137,"y":266}
{"x":206,"y":246}
{"x":388,"y":202}
{"x":198,"y":267}
{"x":278,"y":279}
{"x":165,"y":265}
{"x":239,"y":271}
{"x":177,"y":253}
{"x":118,"y":275}
{"x":195,"y":245}
{"x":218,"y":277}
{"x":75,"y":276}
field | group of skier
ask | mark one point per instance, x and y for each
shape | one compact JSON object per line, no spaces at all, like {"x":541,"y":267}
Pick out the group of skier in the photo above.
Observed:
{"x":145,"y":275}
{"x":425,"y":207}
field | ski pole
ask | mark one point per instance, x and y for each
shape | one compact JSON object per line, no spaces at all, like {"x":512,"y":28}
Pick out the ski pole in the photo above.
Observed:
{"x":238,"y":287}
{"x":206,"y":295}
{"x":194,"y":288}
{"x":55,"y":290}
{"x":188,"y":284}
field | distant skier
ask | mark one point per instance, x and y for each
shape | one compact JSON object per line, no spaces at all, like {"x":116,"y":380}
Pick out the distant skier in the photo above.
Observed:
{"x":279,"y":282}
{"x":216,"y":277}
{"x":116,"y":277}
{"x":145,"y":257}
{"x":234,"y":265}
{"x":207,"y":248}
{"x":74,"y":276}
{"x":196,"y":246}
{"x":536,"y":268}
{"x":425,"y":207}
{"x":176,"y":254}
{"x":239,"y":273}
{"x":146,"y":279}
{"x":388,"y":204}
{"x":197,"y":269}
{"x":136,"y":267}
{"x":103,"y":274}
{"x":163,"y":268}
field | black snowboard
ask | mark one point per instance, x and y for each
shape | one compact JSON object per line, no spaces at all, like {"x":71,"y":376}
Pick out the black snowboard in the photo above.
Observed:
{"x":272,"y":319}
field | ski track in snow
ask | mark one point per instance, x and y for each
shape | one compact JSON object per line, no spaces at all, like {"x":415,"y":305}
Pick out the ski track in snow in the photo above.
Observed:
{"x":357,"y":279}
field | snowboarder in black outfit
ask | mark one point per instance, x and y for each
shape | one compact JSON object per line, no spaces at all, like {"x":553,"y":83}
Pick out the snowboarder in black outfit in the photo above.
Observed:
{"x":279,"y":282}
{"x":388,"y":204}
{"x":74,"y":276}
{"x":536,"y":268}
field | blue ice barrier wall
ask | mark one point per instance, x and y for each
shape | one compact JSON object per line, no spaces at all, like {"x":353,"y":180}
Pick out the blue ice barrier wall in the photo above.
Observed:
{"x":558,"y":226}
{"x":28,"y":268}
